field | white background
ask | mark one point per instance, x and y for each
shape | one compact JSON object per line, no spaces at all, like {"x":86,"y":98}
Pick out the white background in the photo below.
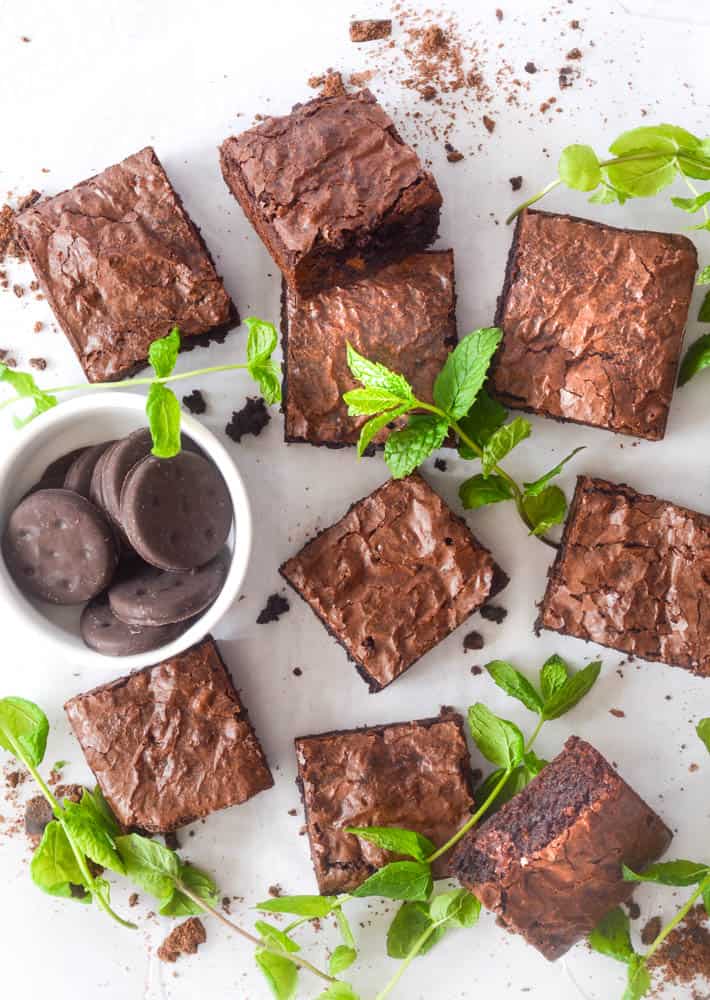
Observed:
{"x":99,"y":81}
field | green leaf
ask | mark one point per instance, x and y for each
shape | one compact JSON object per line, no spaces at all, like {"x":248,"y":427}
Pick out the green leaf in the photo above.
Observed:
{"x":696,"y":166}
{"x":702,"y":225}
{"x":262,"y":341}
{"x":639,"y":980}
{"x":341,"y":959}
{"x":103,"y":811}
{"x":25,"y":724}
{"x":373,"y":375}
{"x":703,"y":731}
{"x":696,"y":358}
{"x":149,"y":864}
{"x":338,"y":991}
{"x":572,"y":691}
{"x":534,"y":764}
{"x":344,"y":927}
{"x":606,"y":195}
{"x":704,"y":312}
{"x":25,"y":386}
{"x":200,"y":883}
{"x":483,"y":419}
{"x":703,"y":277}
{"x":503,"y":441}
{"x":642,"y":178}
{"x":54,"y":868}
{"x":579,"y":168}
{"x":518,"y":779}
{"x":499,"y":740}
{"x":692,"y":204}
{"x":275,"y":937}
{"x":411,"y":921}
{"x":612,"y":936}
{"x":374,"y":426}
{"x":464,"y":372}
{"x":706,"y":897}
{"x":268,"y":378}
{"x":410,"y":880}
{"x":458,"y":907}
{"x":553,"y":675}
{"x":545,"y":509}
{"x":280,"y":973}
{"x":366,"y":401}
{"x":662,"y":138}
{"x":679,"y":873}
{"x":163,"y":353}
{"x":299,"y":906}
{"x":407,"y":449}
{"x":535,"y":488}
{"x":163,"y":411}
{"x":480,"y":490}
{"x":395,"y":839}
{"x":515,"y":684}
{"x":88,"y":832}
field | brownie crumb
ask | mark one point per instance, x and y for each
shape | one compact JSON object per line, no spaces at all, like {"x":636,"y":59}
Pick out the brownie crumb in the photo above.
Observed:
{"x":453,"y":155}
{"x":333,"y":85}
{"x":516,"y":183}
{"x":133,"y":899}
{"x":226,"y":904}
{"x":251,"y":419}
{"x":428,"y":92}
{"x":297,"y":672}
{"x":684,"y":956}
{"x":575,"y":25}
{"x":634,"y":910}
{"x":474,"y":640}
{"x":489,"y":123}
{"x":370,"y":31}
{"x":566,"y":77}
{"x":499,"y":14}
{"x":618,"y":713}
{"x":276,"y":605}
{"x":195,"y":401}
{"x":275,"y":890}
{"x":440,"y":464}
{"x":476,"y":670}
{"x":574,"y":54}
{"x":171,"y":841}
{"x":433,"y":40}
{"x":530,"y":67}
{"x":651,"y":929}
{"x":183,"y":940}
{"x":38,"y":815}
{"x":39,"y":364}
{"x":493,"y":613}
{"x":10,"y":246}
{"x":18,"y":291}
{"x":38,"y":327}
{"x":361,"y":79}
{"x":14,"y":778}
{"x":293,"y":812}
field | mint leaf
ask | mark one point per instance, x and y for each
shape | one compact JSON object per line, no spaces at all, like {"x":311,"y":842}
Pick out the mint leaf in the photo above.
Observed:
{"x":407,"y":449}
{"x":25,"y":386}
{"x":200,"y":883}
{"x":464,"y":372}
{"x":612,"y":936}
{"x":277,"y":938}
{"x":163,"y":352}
{"x":572,"y":691}
{"x":25,"y":724}
{"x":344,"y":927}
{"x":643,"y":178}
{"x":704,"y":312}
{"x":503,"y":441}
{"x":262,"y":341}
{"x":696,"y":358}
{"x":606,"y":195}
{"x":374,"y":426}
{"x":373,"y":375}
{"x":703,"y":277}
{"x":639,"y":981}
{"x":395,"y":839}
{"x":338,"y":991}
{"x":678,"y":873}
{"x":703,"y":731}
{"x":163,"y":412}
{"x":280,"y":973}
{"x":579,"y":168}
{"x":484,"y":417}
{"x":150,"y":865}
{"x":362,"y":402}
{"x":706,"y":897}
{"x":649,"y":138}
{"x":533,"y":763}
{"x":515,"y":684}
{"x":299,"y":906}
{"x":480,"y":490}
{"x":410,"y":880}
{"x":89,"y":834}
{"x":692,"y":204}
{"x":410,"y":922}
{"x":341,"y":959}
{"x":518,"y":779}
{"x":553,"y":676}
{"x":499,"y":740}
{"x":535,"y":488}
{"x":54,"y":868}
{"x":102,"y":810}
{"x":545,"y":509}
{"x":458,"y":907}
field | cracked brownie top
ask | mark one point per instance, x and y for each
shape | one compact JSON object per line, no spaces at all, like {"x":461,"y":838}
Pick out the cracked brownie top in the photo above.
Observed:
{"x":593,"y":320}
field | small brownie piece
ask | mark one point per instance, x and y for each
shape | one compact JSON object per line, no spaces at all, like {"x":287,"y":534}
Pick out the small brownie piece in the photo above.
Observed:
{"x":394,"y":577}
{"x":370,"y":30}
{"x":414,"y":775}
{"x":121,"y":262}
{"x":593,"y":320}
{"x":403,"y":316}
{"x":548,"y":863}
{"x":632,"y":574}
{"x":171,"y":743}
{"x":332,"y":190}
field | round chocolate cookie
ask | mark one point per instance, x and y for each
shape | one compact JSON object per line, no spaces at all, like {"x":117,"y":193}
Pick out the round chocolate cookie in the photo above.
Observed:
{"x":54,"y":475}
{"x":154,"y":597}
{"x":120,"y":459}
{"x":79,"y":473}
{"x":177,"y":512}
{"x":59,"y":547}
{"x":96,"y":491}
{"x":102,"y":631}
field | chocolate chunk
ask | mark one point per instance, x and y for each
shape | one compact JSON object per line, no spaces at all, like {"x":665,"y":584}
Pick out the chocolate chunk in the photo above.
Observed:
{"x":650,"y":930}
{"x":276,"y":605}
{"x":494,"y":613}
{"x":102,"y":631}
{"x":195,"y":402}
{"x":38,"y":815}
{"x":440,"y":464}
{"x":472,"y":641}
{"x":251,"y":419}
{"x":530,"y":67}
{"x":79,"y":473}
{"x":516,"y":182}
{"x":152,"y":597}
{"x":183,"y":940}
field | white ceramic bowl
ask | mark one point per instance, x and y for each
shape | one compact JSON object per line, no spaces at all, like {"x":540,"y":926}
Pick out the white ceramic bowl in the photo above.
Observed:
{"x":99,"y":416}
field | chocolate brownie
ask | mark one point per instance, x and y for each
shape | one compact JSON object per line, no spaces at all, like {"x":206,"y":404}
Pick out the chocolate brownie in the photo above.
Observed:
{"x":121,"y":262}
{"x":593,"y":320}
{"x":414,"y":775}
{"x":171,"y":743}
{"x":394,"y":577}
{"x":403,"y":316}
{"x":632,"y":573}
{"x":332,"y":190}
{"x":548,"y":863}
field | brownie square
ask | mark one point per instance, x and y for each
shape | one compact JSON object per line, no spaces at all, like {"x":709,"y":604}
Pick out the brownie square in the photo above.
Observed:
{"x":121,"y":262}
{"x":394,"y":577}
{"x":632,"y":573}
{"x":414,"y":775}
{"x":332,"y":190}
{"x":593,"y":320}
{"x":404,"y":316}
{"x":171,"y":743}
{"x":548,"y":863}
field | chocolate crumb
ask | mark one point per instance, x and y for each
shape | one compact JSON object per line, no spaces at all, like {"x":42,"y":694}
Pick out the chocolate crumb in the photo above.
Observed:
{"x":474,"y":640}
{"x":476,"y":670}
{"x":499,"y":13}
{"x":195,"y":401}
{"x":276,"y":605}
{"x":493,"y":613}
{"x":530,"y":67}
{"x":516,"y":183}
{"x":18,"y":290}
{"x":440,"y":464}
{"x":617,"y":713}
{"x":684,"y":957}
{"x":38,"y":815}
{"x":693,"y":768}
{"x":293,"y":812}
{"x":371,"y":30}
{"x":428,"y":92}
{"x":565,"y":77}
{"x":651,"y":929}
{"x":574,"y":54}
{"x":38,"y":326}
{"x":574,"y":25}
{"x":453,"y":155}
{"x":634,"y":910}
{"x":39,"y":364}
{"x":275,"y":890}
{"x":14,"y":778}
{"x":251,"y":419}
{"x":171,"y":841}
{"x":297,"y":672}
{"x":489,"y":123}
{"x":333,"y":85}
{"x":226,"y":904}
{"x":185,"y":939}
{"x":433,"y":40}
{"x":133,"y":899}
{"x":361,"y":79}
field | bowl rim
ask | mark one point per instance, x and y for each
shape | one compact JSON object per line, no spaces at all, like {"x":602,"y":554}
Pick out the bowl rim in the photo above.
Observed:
{"x":24,"y":609}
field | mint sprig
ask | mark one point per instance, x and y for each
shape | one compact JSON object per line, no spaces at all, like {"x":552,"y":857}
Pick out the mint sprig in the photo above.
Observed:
{"x":462,"y":408}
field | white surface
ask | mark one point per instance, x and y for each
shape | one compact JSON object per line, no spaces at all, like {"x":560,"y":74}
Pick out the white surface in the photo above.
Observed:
{"x":99,"y":81}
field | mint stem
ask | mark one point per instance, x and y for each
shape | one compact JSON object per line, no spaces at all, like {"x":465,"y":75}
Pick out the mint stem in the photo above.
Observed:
{"x":680,"y":915}
{"x":469,"y":824}
{"x":404,"y":965}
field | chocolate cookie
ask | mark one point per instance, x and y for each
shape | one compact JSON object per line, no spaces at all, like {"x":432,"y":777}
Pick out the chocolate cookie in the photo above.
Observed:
{"x":54,"y":475}
{"x":177,"y":512}
{"x":96,"y":491}
{"x":120,"y":459}
{"x":79,"y":473}
{"x":102,"y":631}
{"x":154,"y":597}
{"x":59,"y":547}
